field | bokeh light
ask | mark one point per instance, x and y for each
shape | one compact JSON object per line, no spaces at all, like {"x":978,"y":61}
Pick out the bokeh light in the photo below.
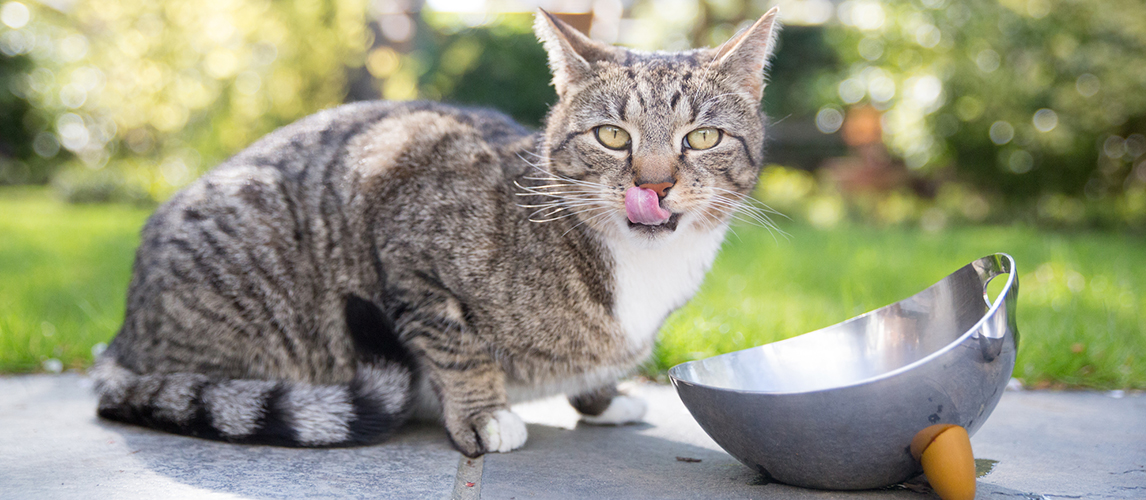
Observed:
{"x":1022,"y":99}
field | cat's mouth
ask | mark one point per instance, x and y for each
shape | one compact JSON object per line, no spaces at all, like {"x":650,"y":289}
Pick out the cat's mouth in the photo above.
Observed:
{"x":645,"y":213}
{"x":665,"y":227}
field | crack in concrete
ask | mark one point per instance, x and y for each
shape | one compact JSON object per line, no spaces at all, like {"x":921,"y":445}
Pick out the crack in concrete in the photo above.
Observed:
{"x":1028,"y":496}
{"x":467,"y":484}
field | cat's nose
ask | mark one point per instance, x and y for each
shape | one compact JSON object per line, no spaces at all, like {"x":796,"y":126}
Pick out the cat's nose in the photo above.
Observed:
{"x":661,"y":188}
{"x":654,"y":171}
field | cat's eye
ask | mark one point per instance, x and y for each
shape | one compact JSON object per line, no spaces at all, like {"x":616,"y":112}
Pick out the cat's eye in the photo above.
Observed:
{"x":702,"y":138}
{"x":613,"y":137}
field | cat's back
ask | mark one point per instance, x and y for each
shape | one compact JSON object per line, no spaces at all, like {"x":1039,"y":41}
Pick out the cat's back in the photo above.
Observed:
{"x":421,"y":145}
{"x":323,"y":160}
{"x":283,"y":222}
{"x":325,"y":144}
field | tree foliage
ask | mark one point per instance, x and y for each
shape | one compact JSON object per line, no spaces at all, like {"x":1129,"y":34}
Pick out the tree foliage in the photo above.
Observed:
{"x":1025,"y":97}
{"x":1037,"y":99}
{"x":158,"y":91}
{"x":1033,"y":100}
{"x":499,"y":65}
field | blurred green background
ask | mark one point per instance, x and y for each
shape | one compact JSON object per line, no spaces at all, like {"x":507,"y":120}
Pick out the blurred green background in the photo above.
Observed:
{"x":907,"y":138}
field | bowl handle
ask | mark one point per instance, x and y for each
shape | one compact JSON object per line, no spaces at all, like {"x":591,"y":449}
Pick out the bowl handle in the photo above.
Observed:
{"x":992,"y":332}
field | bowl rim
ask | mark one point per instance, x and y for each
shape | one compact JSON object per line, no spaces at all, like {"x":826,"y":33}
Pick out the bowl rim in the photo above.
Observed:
{"x":991,"y":311}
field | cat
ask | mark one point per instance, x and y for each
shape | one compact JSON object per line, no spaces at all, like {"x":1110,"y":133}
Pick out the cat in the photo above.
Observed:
{"x":382,"y":259}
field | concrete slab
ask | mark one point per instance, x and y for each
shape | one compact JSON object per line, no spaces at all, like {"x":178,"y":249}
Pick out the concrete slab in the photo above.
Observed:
{"x":1067,"y":444}
{"x":667,"y":457}
{"x":1047,"y":444}
{"x":52,"y":446}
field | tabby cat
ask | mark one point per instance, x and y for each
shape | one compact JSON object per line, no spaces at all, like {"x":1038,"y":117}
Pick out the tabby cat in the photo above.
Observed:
{"x":382,"y":259}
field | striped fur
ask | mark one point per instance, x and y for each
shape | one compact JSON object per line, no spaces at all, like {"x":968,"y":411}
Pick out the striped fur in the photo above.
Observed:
{"x":259,"y":411}
{"x":303,"y":291}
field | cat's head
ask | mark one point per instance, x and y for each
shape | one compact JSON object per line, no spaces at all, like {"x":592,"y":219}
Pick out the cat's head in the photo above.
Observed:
{"x":644,"y":144}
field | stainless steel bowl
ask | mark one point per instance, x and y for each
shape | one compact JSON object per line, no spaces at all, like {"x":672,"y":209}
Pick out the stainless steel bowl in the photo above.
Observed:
{"x":837,"y":408}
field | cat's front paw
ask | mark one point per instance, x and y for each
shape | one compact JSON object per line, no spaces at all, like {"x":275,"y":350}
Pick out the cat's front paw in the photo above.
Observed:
{"x":621,"y":410}
{"x":504,"y":432}
{"x":498,"y":431}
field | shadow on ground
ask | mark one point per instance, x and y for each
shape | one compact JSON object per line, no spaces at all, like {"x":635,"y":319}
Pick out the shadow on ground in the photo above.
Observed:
{"x":54,"y":446}
{"x":417,"y":463}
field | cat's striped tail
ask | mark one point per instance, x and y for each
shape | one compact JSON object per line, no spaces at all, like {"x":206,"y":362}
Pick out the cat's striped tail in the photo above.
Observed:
{"x":366,"y":410}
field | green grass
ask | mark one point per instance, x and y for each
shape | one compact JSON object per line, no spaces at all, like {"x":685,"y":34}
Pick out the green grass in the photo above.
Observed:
{"x":64,"y":271}
{"x":1080,"y":309}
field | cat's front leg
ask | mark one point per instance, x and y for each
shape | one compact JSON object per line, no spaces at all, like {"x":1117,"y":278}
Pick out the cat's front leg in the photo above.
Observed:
{"x":471,"y":389}
{"x":476,"y":410}
{"x":608,"y":406}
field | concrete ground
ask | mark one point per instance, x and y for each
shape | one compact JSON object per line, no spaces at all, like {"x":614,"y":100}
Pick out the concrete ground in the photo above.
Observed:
{"x":1047,"y":444}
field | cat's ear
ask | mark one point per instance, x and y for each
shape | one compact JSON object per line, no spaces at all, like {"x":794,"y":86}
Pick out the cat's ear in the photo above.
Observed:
{"x":744,"y":57}
{"x":570,"y":52}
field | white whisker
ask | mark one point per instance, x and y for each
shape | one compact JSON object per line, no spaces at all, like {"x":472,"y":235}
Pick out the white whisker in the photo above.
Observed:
{"x":552,"y":216}
{"x":595,"y":217}
{"x":736,"y":209}
{"x":558,"y":194}
{"x":743,"y":208}
{"x":569,"y":206}
{"x":780,"y":120}
{"x":559,"y":178}
{"x":749,"y":199}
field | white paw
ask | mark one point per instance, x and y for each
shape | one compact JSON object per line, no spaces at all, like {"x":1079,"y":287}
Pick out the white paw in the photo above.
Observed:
{"x":622,"y":410}
{"x":504,"y":432}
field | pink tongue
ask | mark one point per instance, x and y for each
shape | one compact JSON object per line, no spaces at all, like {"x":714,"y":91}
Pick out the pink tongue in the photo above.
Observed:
{"x":644,"y":207}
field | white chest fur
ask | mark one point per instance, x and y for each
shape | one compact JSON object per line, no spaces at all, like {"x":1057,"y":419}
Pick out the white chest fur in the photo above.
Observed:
{"x":653,"y":280}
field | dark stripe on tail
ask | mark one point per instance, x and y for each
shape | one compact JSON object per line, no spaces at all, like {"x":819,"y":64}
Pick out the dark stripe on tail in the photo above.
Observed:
{"x":376,"y":342}
{"x":372,"y":423}
{"x":365,"y":411}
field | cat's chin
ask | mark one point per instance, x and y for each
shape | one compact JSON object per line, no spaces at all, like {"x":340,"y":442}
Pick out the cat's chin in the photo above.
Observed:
{"x":665,"y":228}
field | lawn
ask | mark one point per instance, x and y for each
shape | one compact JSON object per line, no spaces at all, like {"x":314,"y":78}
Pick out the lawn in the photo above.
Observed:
{"x":1080,"y":309}
{"x":63,"y":277}
{"x":64,"y":271}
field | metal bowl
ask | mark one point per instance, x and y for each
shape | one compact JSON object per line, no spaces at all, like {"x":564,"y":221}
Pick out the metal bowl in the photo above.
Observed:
{"x":837,"y":408}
